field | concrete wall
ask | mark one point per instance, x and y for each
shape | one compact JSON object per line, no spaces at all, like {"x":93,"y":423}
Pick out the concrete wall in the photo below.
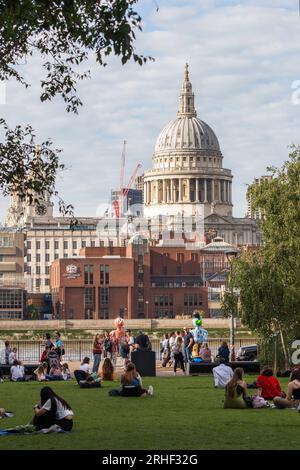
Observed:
{"x":109,"y":324}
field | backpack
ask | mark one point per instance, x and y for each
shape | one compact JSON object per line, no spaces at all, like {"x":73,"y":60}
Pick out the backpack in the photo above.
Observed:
{"x":108,"y":345}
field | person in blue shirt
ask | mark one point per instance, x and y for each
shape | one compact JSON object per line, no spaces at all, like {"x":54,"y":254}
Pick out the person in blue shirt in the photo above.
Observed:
{"x":59,"y":345}
{"x":223,"y":351}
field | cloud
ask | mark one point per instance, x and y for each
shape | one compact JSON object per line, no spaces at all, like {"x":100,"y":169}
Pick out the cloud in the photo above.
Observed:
{"x":243,"y":57}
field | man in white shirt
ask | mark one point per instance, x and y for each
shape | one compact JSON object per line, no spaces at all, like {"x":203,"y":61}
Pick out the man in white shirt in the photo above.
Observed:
{"x":222,"y":374}
{"x":17,"y":373}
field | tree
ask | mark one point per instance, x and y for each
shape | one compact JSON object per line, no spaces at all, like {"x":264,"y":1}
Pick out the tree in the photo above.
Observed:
{"x":64,"y":33}
{"x":32,"y":312}
{"x":268,"y":279}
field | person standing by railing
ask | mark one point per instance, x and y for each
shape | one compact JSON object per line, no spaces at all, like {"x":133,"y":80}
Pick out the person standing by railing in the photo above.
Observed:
{"x":97,"y":351}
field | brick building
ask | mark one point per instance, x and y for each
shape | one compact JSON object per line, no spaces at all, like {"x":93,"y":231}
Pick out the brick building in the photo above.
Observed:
{"x":136,"y":281}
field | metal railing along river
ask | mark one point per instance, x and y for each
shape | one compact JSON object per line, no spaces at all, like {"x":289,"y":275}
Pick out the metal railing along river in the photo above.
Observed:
{"x":75,"y":350}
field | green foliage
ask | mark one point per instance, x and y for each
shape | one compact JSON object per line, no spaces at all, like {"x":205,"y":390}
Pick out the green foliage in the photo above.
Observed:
{"x":268,"y":279}
{"x":32,"y":312}
{"x":64,"y":34}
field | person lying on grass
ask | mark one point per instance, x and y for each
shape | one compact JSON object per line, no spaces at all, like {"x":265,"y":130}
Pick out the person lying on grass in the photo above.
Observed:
{"x":292,"y":399}
{"x":52,"y":410}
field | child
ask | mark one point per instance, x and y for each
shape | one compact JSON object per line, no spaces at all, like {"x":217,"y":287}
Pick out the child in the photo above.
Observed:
{"x":66,"y":371}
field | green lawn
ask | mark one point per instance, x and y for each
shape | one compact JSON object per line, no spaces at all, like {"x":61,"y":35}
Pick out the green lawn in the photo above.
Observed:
{"x":184,"y":413}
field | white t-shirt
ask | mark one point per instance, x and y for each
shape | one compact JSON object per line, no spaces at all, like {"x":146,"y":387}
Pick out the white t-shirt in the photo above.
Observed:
{"x":172,"y":341}
{"x":61,"y":412}
{"x":11,"y":358}
{"x":16,"y":372}
{"x":85,"y":368}
{"x":222,"y":375}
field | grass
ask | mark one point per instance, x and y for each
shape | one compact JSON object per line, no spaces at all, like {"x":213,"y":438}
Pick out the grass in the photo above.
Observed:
{"x":184,"y":413}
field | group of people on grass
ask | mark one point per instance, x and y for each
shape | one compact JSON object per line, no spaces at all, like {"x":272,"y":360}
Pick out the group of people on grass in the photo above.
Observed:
{"x":267,"y":385}
{"x":178,"y":348}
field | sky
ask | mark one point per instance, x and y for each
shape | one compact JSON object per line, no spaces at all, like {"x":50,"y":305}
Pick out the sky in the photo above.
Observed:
{"x":244,"y":59}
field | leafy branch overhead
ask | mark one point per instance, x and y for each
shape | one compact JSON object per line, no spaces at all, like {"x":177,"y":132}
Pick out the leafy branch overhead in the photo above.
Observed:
{"x":28,"y":169}
{"x":65,"y":33}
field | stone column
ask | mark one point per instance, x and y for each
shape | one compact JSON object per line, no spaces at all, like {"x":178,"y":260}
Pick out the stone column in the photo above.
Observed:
{"x":197,"y":190}
{"x":188,"y":189}
{"x":163,"y":191}
{"x":172,"y":190}
{"x":212,"y":190}
{"x":220,"y":190}
{"x":179,"y":190}
{"x":205,"y":190}
{"x":146,"y":193}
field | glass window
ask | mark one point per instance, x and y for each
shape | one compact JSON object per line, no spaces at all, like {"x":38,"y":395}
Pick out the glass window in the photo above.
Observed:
{"x":38,"y":258}
{"x":91,"y":269}
{"x":56,"y":244}
{"x":83,"y":244}
{"x":38,"y":270}
{"x":74,"y":245}
{"x":106,"y":274}
{"x":38,"y":245}
{"x":101,"y":274}
{"x":86,"y":274}
{"x":28,"y":257}
{"x":47,"y":270}
{"x":47,"y":244}
{"x":47,"y":257}
{"x":93,"y":243}
{"x":29,"y":245}
{"x":65,"y":244}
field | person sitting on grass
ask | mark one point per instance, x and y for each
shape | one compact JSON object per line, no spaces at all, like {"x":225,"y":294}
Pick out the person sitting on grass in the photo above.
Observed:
{"x":17,"y":373}
{"x":236,"y":391}
{"x":85,"y":366}
{"x":107,"y":370}
{"x":223,"y":351}
{"x":41,"y":372}
{"x":66,"y":372}
{"x":131,"y":382}
{"x":292,"y":399}
{"x":52,"y":410}
{"x":268,"y":385}
{"x":55,"y":373}
{"x":222,"y":374}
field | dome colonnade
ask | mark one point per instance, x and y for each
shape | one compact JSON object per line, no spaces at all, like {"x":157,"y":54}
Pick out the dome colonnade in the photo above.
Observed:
{"x":187,"y":165}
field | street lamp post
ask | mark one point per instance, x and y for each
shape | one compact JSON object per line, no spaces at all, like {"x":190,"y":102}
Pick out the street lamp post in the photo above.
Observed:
{"x":230,"y":255}
{"x":147,"y":308}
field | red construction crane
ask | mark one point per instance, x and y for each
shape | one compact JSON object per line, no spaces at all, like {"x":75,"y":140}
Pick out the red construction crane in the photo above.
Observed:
{"x":123,"y":192}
